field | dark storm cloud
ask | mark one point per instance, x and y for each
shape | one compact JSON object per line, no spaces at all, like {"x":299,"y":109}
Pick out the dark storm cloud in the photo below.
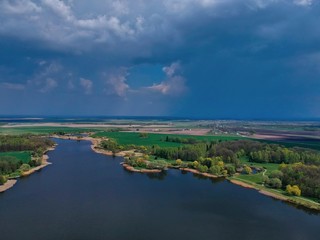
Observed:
{"x":250,"y":58}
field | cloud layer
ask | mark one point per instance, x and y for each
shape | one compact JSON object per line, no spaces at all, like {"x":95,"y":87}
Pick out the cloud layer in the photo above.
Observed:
{"x":169,"y":55}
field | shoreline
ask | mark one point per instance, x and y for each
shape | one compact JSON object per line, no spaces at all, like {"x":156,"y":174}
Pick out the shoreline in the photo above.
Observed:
{"x":279,"y":196}
{"x":132,"y":169}
{"x":44,"y":163}
{"x":7,"y":185}
{"x":95,"y":147}
{"x":208,"y":175}
{"x":242,"y":184}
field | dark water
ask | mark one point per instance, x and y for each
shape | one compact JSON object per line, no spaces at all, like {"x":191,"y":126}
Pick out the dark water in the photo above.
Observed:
{"x":84,"y":195}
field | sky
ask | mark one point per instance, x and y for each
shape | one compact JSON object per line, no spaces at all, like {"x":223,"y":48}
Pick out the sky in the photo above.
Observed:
{"x":243,"y":59}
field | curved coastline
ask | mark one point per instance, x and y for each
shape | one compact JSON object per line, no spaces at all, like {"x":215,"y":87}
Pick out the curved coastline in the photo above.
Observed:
{"x":7,"y":185}
{"x":270,"y":193}
{"x":44,"y":163}
{"x":132,"y":169}
{"x":95,"y":147}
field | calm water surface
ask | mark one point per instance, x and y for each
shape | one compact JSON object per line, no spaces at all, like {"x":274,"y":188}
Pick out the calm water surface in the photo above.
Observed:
{"x":84,"y":195}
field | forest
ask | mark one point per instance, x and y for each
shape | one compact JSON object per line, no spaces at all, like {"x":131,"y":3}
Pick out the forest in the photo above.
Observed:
{"x":298,"y":172}
{"x":10,"y":164}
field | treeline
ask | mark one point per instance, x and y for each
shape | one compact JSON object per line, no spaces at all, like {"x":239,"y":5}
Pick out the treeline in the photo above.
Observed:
{"x":299,"y":172}
{"x":262,"y":152}
{"x":182,"y":140}
{"x":9,"y":164}
{"x":24,"y":143}
{"x":307,"y":177}
{"x":185,"y":153}
{"x":143,"y":162}
{"x":231,"y":151}
{"x":113,"y":146}
{"x":296,"y":179}
{"x":277,"y":154}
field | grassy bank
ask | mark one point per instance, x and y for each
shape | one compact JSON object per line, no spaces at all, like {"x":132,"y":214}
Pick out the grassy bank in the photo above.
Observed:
{"x":278,"y":193}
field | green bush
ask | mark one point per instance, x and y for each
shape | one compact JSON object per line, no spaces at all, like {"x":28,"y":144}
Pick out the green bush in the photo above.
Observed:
{"x":202,"y":168}
{"x":25,"y":167}
{"x":293,"y":190}
{"x":230,"y":169}
{"x":157,"y":164}
{"x":3,"y":179}
{"x":276,"y":174}
{"x":274,"y":183}
{"x":247,"y":170}
{"x":216,"y":170}
{"x":178,"y":162}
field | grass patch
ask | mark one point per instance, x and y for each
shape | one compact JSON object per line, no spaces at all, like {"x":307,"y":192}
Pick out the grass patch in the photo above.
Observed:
{"x":24,"y":156}
{"x":269,"y":166}
{"x":256,"y":178}
{"x":127,"y":138}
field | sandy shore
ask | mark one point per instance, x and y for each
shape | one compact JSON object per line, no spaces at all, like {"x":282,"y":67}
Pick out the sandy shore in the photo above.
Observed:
{"x":132,"y":169}
{"x":305,"y":203}
{"x":199,"y":173}
{"x":9,"y":184}
{"x":35,"y":169}
{"x":242,"y":184}
{"x":44,"y":163}
{"x":274,"y":195}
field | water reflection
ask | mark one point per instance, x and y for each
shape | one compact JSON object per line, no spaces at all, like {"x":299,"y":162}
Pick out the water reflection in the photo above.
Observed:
{"x":157,"y":176}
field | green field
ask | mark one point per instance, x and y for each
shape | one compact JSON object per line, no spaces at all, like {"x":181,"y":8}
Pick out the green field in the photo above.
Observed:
{"x":256,"y":178}
{"x":24,"y":156}
{"x":268,"y":166}
{"x":126,"y":138}
{"x":43,"y":130}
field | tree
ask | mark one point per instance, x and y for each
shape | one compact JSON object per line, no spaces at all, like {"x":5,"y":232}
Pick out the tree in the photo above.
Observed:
{"x":25,"y":167}
{"x":195,"y":164}
{"x":276,"y":174}
{"x":178,"y":162}
{"x":3,"y":179}
{"x":158,"y":164}
{"x":202,"y":168}
{"x":274,"y":183}
{"x":293,"y":190}
{"x":216,"y":170}
{"x":143,"y":135}
{"x":231,"y":169}
{"x":247,"y":170}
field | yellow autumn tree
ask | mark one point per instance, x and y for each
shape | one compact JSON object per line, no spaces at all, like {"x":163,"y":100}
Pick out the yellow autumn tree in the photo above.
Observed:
{"x":293,"y":190}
